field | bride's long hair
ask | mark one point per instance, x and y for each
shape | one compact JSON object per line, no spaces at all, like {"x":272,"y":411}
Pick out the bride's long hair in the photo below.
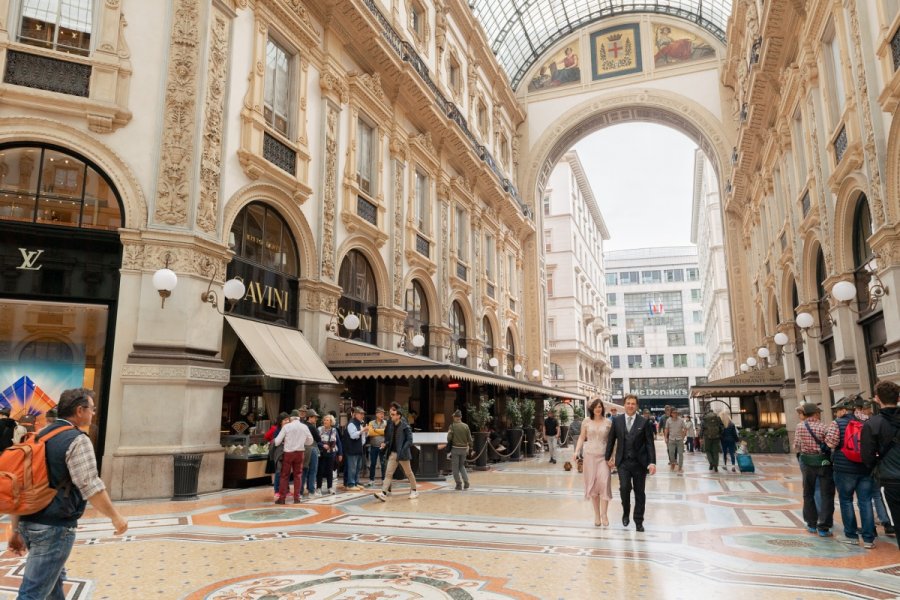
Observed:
{"x":593,"y":406}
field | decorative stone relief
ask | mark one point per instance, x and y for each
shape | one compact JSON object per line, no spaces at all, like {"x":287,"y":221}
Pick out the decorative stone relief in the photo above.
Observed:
{"x":329,"y":192}
{"x":179,"y":120}
{"x":372,"y":83}
{"x":398,"y":231}
{"x":424,"y":139}
{"x":211,"y":159}
{"x":869,"y":146}
{"x":824,"y":224}
{"x":332,"y":83}
{"x":445,"y":257}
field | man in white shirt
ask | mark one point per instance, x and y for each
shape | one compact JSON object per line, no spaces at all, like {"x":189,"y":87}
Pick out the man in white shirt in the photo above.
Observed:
{"x":295,"y":436}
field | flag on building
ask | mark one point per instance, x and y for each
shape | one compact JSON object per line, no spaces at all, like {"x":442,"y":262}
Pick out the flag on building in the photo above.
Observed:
{"x":655,"y":309}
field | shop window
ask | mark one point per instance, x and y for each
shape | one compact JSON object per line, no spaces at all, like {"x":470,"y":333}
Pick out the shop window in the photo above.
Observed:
{"x":63,"y":25}
{"x":260,"y":235}
{"x":277,"y":100}
{"x":51,"y":186}
{"x":417,"y":318}
{"x":359,"y":296}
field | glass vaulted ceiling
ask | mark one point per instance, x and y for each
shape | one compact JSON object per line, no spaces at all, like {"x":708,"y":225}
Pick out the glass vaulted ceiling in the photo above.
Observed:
{"x":519,"y":31}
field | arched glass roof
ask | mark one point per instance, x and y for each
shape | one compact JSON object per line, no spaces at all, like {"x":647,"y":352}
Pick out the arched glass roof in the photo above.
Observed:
{"x":519,"y":31}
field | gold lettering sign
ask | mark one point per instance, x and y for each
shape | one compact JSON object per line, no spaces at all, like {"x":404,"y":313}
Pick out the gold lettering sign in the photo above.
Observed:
{"x":267,"y":295}
{"x":259,"y":242}
{"x":365,"y":320}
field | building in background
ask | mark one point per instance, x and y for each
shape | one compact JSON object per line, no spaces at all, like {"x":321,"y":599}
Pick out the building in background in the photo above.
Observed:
{"x":655,"y":318}
{"x":707,"y":234}
{"x":573,"y":236}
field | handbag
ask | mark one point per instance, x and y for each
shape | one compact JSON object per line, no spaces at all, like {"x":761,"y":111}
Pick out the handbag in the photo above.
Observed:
{"x":823,"y":447}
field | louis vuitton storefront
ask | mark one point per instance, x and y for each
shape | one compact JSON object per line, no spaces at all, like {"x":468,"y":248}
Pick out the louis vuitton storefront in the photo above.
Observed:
{"x":60,"y":256}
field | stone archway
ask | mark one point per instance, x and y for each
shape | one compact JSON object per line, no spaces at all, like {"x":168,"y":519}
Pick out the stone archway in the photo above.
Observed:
{"x":641,"y":105}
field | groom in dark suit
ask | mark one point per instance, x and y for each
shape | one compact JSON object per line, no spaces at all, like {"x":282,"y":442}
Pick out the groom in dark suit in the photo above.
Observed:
{"x":632,"y":438}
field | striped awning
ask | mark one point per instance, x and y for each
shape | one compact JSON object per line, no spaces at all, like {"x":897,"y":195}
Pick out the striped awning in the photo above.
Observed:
{"x":752,"y":383}
{"x":348,"y":359}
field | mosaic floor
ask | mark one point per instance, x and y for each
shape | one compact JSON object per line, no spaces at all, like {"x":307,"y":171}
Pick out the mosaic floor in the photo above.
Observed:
{"x":522,"y":531}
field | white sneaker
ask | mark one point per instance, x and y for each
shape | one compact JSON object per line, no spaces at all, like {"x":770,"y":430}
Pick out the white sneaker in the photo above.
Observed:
{"x":331,"y":491}
{"x":413,"y":495}
{"x":318,"y":492}
{"x":381,"y":496}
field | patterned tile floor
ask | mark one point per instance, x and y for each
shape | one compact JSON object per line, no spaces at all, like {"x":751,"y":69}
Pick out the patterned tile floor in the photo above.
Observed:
{"x":522,"y":531}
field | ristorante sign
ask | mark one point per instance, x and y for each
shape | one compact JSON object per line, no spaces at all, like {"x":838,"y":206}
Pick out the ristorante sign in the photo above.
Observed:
{"x":271,"y":296}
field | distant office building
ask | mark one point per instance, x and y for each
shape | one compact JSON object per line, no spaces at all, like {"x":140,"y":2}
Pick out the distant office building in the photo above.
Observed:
{"x":574,"y":232}
{"x":655,"y":318}
{"x":706,"y":232}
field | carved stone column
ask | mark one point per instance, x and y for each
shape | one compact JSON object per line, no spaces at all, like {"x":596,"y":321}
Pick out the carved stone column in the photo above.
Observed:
{"x":335,"y":93}
{"x":886,"y":243}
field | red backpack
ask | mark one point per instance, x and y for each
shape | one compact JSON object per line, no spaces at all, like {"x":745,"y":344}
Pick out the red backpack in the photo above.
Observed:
{"x":851,"y":446}
{"x":24,"y":477}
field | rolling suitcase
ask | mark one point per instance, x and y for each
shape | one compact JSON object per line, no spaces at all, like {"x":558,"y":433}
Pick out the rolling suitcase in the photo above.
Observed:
{"x":745,"y":463}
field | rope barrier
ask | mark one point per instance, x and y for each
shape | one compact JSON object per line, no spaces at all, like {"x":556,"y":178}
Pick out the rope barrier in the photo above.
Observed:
{"x":498,"y":453}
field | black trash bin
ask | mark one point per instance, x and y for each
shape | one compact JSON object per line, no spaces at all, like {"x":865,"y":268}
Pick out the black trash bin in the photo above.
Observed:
{"x":187,"y":476}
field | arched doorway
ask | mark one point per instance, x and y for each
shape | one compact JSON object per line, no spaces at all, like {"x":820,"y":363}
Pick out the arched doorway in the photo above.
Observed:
{"x":59,"y":220}
{"x":871,"y":315}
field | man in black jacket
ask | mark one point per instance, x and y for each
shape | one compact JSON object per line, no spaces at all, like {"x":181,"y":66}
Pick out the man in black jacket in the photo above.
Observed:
{"x":632,"y":438}
{"x":7,"y":428}
{"x":880,"y":444}
{"x":397,"y":446}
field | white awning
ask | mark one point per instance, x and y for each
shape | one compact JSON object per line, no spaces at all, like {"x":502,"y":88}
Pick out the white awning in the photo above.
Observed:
{"x":280,"y":352}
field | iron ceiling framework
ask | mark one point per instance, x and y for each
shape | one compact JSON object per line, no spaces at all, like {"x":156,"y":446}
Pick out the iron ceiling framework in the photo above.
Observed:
{"x":520,"y":31}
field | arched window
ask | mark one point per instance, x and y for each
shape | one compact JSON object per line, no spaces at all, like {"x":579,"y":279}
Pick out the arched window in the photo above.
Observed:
{"x":49,"y":185}
{"x":261,"y":236}
{"x":416,"y":318}
{"x":510,"y":353}
{"x":862,"y":231}
{"x":360,"y":296}
{"x":457,"y":332}
{"x":487,"y":340}
{"x":46,"y":350}
{"x":825,"y":324}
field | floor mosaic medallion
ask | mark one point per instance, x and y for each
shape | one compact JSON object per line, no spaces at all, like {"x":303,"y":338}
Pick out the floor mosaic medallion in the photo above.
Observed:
{"x":394,"y":580}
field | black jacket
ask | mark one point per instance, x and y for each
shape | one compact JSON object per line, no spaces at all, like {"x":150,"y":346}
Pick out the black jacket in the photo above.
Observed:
{"x":635,"y":445}
{"x":7,"y":430}
{"x":877,"y":446}
{"x":404,"y":451}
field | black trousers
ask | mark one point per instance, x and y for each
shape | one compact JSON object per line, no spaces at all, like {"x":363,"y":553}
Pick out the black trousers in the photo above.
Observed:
{"x":892,"y":499}
{"x":820,"y":519}
{"x":633,"y":476}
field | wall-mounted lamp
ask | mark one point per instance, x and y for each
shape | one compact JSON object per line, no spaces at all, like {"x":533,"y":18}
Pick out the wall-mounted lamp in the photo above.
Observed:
{"x":845,"y":292}
{"x":783,"y":341}
{"x":350,"y":322}
{"x":517,"y":369}
{"x":165,"y":280}
{"x":233,"y":290}
{"x":750,"y":362}
{"x":493,"y":362}
{"x":461,"y":354}
{"x":805,"y":322}
{"x":417,"y":341}
{"x":744,"y":367}
{"x":536,"y":374}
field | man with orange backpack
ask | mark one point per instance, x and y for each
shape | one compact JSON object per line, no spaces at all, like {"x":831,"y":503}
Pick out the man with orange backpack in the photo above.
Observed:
{"x":49,"y":534}
{"x":851,"y":476}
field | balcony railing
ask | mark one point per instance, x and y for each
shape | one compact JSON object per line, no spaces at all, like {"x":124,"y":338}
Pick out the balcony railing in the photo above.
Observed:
{"x":367,"y":210}
{"x":423,"y":247}
{"x":840,"y":144}
{"x":895,"y":49}
{"x":279,"y":154}
{"x":49,"y":74}
{"x":407,"y":53}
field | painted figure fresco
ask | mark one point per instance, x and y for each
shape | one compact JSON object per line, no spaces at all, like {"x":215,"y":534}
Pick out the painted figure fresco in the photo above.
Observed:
{"x":675,"y":46}
{"x":562,"y":69}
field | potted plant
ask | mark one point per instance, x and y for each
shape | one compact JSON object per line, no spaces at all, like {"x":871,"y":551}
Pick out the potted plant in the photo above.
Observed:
{"x":528,"y":410}
{"x":780,"y":441}
{"x":562,"y":415}
{"x":479,"y":418}
{"x":514,"y":416}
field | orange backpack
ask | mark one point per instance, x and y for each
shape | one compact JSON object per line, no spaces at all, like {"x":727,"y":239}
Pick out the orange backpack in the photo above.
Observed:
{"x":24,"y":478}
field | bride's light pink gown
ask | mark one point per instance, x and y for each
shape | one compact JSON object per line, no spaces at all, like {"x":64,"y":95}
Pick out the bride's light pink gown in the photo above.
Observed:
{"x":596,"y":469}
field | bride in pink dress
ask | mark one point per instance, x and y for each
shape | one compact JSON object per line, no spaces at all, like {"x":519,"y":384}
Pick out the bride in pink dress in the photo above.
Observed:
{"x":594,"y":433}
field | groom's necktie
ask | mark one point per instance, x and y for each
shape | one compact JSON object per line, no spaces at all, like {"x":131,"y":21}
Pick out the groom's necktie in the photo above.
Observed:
{"x":629,"y":423}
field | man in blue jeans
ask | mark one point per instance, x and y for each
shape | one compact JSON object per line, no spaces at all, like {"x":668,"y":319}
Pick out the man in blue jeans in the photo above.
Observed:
{"x":375,"y":434}
{"x":851,"y":477}
{"x":353,"y":449}
{"x":48,"y":535}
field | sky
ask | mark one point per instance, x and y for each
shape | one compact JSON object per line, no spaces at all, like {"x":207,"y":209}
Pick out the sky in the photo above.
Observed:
{"x":642,"y":177}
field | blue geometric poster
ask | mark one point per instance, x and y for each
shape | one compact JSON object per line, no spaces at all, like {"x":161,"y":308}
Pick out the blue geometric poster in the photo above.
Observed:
{"x":33,"y":388}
